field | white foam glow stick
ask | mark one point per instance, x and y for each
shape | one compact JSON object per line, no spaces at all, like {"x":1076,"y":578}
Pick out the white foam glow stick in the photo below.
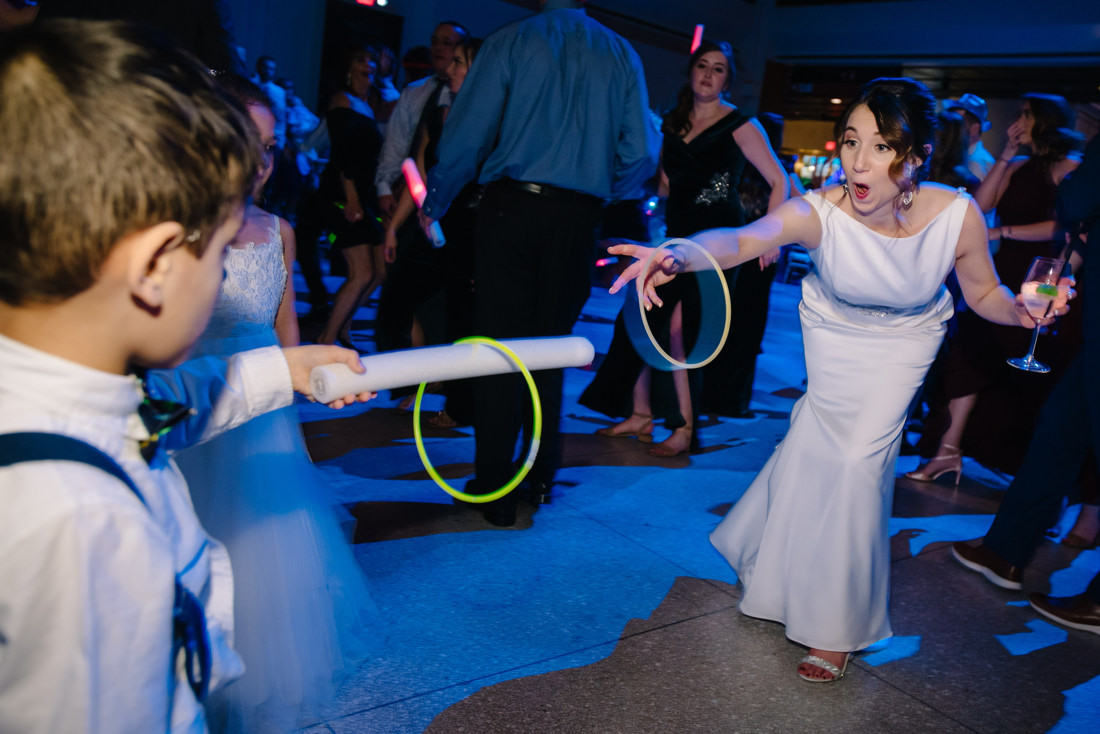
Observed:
{"x":697,"y":39}
{"x":419,"y":193}
{"x":452,"y":362}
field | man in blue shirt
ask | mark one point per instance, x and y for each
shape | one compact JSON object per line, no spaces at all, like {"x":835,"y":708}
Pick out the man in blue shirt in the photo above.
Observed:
{"x":552,"y":120}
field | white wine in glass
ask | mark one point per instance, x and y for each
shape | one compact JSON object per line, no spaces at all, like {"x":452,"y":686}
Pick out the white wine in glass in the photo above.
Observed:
{"x":1040,"y":291}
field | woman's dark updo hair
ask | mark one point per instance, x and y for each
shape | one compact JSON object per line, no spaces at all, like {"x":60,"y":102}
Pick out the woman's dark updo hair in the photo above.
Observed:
{"x":905,"y":112}
{"x":244,"y":92}
{"x":678,"y":120}
{"x":1052,"y":135}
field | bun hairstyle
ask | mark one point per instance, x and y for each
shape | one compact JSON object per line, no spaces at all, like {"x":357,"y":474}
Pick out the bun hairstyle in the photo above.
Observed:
{"x":678,"y":120}
{"x":244,"y":92}
{"x":905,"y":112}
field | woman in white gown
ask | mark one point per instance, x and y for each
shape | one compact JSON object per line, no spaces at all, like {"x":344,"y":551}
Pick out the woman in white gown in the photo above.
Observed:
{"x":302,"y":610}
{"x":809,"y":537}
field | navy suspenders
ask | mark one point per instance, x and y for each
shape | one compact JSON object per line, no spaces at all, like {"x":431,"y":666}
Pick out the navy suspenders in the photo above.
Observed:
{"x":188,"y":617}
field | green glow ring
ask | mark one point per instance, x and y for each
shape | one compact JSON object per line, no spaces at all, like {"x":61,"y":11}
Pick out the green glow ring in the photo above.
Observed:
{"x":535,"y":439}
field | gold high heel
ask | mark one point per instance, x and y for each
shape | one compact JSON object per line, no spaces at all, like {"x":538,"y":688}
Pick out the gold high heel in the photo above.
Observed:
{"x":921,"y":474}
{"x":643,"y":434}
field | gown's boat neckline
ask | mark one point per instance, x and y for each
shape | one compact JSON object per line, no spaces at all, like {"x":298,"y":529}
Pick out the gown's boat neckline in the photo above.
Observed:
{"x":931,"y":222}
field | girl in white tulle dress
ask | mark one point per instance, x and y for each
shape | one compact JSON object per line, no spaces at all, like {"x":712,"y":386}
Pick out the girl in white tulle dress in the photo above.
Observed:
{"x":304,"y":617}
{"x":809,"y":538}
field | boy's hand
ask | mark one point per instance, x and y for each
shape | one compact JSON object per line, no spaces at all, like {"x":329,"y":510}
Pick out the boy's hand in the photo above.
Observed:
{"x":303,"y":359}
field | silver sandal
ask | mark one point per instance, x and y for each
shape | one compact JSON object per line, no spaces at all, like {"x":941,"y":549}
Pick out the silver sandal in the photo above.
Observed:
{"x":825,"y":665}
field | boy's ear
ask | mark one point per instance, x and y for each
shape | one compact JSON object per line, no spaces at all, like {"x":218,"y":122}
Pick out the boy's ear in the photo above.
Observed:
{"x":149,"y":264}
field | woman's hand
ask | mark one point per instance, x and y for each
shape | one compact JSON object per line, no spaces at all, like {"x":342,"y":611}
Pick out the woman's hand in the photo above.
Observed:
{"x":1060,"y":306}
{"x":389,"y":246}
{"x":770,"y":257}
{"x":353,"y":210}
{"x":661,"y":270}
{"x":1012,"y":145}
{"x":302,"y":360}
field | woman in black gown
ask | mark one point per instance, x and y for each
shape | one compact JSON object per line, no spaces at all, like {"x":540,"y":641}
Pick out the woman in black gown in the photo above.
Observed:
{"x":707,"y":142}
{"x":345,"y":200}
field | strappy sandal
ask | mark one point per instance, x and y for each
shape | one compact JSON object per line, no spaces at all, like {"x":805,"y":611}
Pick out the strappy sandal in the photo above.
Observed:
{"x":954,"y":464}
{"x":643,"y":434}
{"x":825,"y":665}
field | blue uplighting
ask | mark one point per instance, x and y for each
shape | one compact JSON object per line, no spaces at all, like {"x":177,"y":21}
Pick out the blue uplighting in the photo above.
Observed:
{"x":1075,"y":579}
{"x":897,"y":648}
{"x":1042,"y":635}
{"x":943,"y":528}
{"x":1082,"y":709}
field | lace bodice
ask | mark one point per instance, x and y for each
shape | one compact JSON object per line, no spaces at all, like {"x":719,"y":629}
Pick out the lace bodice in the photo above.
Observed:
{"x":255,"y":279}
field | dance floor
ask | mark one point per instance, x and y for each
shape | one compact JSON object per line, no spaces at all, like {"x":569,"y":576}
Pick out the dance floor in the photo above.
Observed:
{"x":608,"y":611}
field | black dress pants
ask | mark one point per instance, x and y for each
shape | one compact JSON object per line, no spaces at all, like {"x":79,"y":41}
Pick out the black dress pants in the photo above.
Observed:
{"x":1068,"y":430}
{"x":531,"y":280}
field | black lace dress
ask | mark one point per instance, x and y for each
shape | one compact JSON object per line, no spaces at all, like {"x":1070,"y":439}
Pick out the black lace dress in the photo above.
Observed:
{"x":704,"y":174}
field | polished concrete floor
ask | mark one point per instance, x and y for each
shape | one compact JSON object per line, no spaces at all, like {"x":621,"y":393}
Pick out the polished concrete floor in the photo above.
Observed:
{"x":607,"y":611}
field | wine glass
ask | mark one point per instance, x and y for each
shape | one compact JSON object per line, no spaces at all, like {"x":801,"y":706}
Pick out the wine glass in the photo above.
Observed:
{"x":1040,"y":290}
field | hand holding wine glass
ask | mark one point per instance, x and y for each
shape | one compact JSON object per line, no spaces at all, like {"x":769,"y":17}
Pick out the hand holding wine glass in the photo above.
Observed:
{"x":1043,"y":295}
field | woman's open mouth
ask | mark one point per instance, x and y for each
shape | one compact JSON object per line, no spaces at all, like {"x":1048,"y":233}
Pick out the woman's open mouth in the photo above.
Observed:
{"x":860,"y":191}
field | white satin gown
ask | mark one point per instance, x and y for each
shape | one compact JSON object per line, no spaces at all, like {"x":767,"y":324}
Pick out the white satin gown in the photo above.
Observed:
{"x":809,"y":537}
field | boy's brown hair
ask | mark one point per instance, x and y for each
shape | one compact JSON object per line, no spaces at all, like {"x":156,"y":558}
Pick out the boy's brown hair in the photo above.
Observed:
{"x":107,"y":129}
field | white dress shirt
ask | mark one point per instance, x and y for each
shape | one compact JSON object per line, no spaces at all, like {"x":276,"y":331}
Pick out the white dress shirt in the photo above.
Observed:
{"x":86,"y":570}
{"x":402,"y":127}
{"x":979,"y":160}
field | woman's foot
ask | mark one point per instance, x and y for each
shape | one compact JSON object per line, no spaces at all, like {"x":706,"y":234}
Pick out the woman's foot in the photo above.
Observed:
{"x":823,"y":666}
{"x":676,"y":444}
{"x":1085,"y":533}
{"x":638,"y":424}
{"x":949,"y":460}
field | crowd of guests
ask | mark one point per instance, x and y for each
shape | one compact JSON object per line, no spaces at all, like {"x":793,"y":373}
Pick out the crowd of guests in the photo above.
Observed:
{"x":520,"y":177}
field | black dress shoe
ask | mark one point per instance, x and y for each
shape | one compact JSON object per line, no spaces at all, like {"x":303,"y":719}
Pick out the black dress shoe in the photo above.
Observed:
{"x":983,"y":560}
{"x":1078,"y":612}
{"x":501,"y":512}
{"x":537,"y":493}
{"x":502,"y":516}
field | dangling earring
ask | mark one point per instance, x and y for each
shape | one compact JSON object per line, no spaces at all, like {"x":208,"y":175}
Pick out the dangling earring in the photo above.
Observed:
{"x":348,"y":80}
{"x":907,"y":198}
{"x":845,"y":187}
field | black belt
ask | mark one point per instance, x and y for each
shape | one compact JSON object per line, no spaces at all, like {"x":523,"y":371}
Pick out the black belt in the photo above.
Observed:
{"x":552,"y":192}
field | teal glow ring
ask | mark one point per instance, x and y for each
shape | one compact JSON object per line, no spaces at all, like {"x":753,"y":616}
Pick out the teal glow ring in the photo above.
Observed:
{"x":536,"y":405}
{"x":713,"y":329}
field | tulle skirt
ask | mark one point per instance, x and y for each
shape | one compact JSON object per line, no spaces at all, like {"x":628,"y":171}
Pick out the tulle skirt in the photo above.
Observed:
{"x":304,"y":616}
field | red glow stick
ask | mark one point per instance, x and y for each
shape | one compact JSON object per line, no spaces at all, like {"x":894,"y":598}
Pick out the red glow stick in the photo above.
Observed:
{"x":413,"y":180}
{"x":697,"y":39}
{"x":419,"y":192}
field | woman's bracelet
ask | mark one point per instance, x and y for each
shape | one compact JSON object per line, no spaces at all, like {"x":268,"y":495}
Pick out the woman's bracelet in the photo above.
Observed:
{"x":678,"y":261}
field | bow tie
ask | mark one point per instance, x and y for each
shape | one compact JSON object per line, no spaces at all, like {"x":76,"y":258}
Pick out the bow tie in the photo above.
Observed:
{"x":160,"y":417}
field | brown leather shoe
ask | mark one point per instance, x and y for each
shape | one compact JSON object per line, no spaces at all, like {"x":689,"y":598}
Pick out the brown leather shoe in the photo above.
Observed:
{"x":1079,"y":612}
{"x":996,"y":569}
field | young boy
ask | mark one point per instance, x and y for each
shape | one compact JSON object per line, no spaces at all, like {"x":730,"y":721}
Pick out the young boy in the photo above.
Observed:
{"x":122,"y":176}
